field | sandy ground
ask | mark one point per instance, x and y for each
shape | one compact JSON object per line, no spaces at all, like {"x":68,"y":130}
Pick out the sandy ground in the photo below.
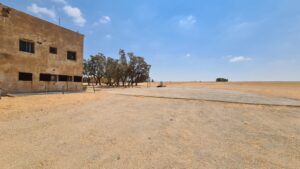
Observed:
{"x":281,"y":89}
{"x":206,"y":94}
{"x":109,"y":130}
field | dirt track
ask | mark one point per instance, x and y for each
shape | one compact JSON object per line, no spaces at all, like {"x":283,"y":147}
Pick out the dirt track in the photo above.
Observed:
{"x":106,"y":130}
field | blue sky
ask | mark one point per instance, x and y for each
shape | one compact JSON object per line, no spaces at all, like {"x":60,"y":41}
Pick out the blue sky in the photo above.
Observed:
{"x":187,"y":40}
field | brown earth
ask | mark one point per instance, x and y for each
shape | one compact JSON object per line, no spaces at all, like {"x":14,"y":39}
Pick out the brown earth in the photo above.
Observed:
{"x":281,"y":89}
{"x":107,"y":130}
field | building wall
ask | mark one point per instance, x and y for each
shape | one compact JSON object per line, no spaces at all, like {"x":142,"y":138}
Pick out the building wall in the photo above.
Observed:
{"x":18,"y":25}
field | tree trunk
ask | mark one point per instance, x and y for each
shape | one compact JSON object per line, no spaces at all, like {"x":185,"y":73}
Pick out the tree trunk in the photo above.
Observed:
{"x":99,"y":80}
{"x":95,"y":81}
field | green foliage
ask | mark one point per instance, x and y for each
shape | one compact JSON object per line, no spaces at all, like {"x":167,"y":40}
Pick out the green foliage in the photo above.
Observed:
{"x":138,"y":70}
{"x":113,"y":71}
{"x":95,"y":67}
{"x":123,"y":66}
{"x":221,"y":80}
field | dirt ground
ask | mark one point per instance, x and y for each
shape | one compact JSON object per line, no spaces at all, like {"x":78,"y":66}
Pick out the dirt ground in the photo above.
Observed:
{"x":109,"y":130}
{"x":281,"y":89}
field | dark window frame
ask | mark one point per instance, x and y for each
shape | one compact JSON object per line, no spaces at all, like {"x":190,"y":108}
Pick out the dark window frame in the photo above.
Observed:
{"x":64,"y":78}
{"x":53,"y":50}
{"x":71,"y":55}
{"x":70,"y":78}
{"x":54,"y":78}
{"x":26,"y":46}
{"x":77,"y":78}
{"x":24,"y":76}
{"x":47,"y":77}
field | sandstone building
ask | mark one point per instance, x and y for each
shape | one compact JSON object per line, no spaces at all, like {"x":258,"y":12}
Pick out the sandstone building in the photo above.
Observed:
{"x":38,"y":56}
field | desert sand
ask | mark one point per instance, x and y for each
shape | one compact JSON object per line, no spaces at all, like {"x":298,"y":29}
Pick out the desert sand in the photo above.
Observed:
{"x":281,"y":89}
{"x":111,"y":129}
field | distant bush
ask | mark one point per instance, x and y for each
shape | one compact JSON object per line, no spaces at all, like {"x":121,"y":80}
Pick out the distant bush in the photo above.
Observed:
{"x":221,"y":80}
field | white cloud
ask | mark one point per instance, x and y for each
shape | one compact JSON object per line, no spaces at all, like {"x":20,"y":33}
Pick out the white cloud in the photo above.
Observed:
{"x":237,"y":59}
{"x":34,"y":8}
{"x":187,"y":22}
{"x":108,"y":36}
{"x":105,"y":19}
{"x":76,"y":14}
{"x":60,"y":1}
{"x":188,"y":55}
{"x":102,"y":20}
{"x":72,"y":12}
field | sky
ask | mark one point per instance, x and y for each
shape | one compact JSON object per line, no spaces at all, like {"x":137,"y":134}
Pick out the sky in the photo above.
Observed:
{"x":187,"y":40}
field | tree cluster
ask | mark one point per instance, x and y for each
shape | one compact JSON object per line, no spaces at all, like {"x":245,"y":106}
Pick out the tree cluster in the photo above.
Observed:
{"x":115,"y":72}
{"x":222,"y":80}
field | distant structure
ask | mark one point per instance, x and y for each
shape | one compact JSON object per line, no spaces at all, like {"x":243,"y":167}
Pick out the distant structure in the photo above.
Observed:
{"x":38,"y":56}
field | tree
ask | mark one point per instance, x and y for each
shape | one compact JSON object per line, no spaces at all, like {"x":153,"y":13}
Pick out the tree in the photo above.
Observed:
{"x":96,"y":66}
{"x":143,"y":70}
{"x":132,"y":66}
{"x":123,"y":66}
{"x":138,"y":69}
{"x":111,"y":72}
{"x":86,"y":73}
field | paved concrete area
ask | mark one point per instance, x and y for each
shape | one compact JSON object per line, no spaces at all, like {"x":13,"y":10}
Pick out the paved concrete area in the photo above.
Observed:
{"x":210,"y":95}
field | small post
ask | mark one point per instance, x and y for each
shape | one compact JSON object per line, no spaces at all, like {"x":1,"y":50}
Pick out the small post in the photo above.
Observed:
{"x":0,"y":94}
{"x":93,"y":87}
{"x":63,"y":90}
{"x":45,"y":87}
{"x":149,"y":82}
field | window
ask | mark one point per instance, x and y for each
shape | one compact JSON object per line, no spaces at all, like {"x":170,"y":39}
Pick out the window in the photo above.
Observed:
{"x":70,"y":78}
{"x":45,"y":77}
{"x":65,"y":78}
{"x":53,"y":50}
{"x":48,"y":77}
{"x":26,"y":46}
{"x":77,"y":79}
{"x":54,"y":78}
{"x":25,"y":76}
{"x":71,"y":55}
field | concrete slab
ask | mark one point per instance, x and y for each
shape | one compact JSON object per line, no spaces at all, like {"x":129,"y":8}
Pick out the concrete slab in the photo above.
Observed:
{"x":210,"y":95}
